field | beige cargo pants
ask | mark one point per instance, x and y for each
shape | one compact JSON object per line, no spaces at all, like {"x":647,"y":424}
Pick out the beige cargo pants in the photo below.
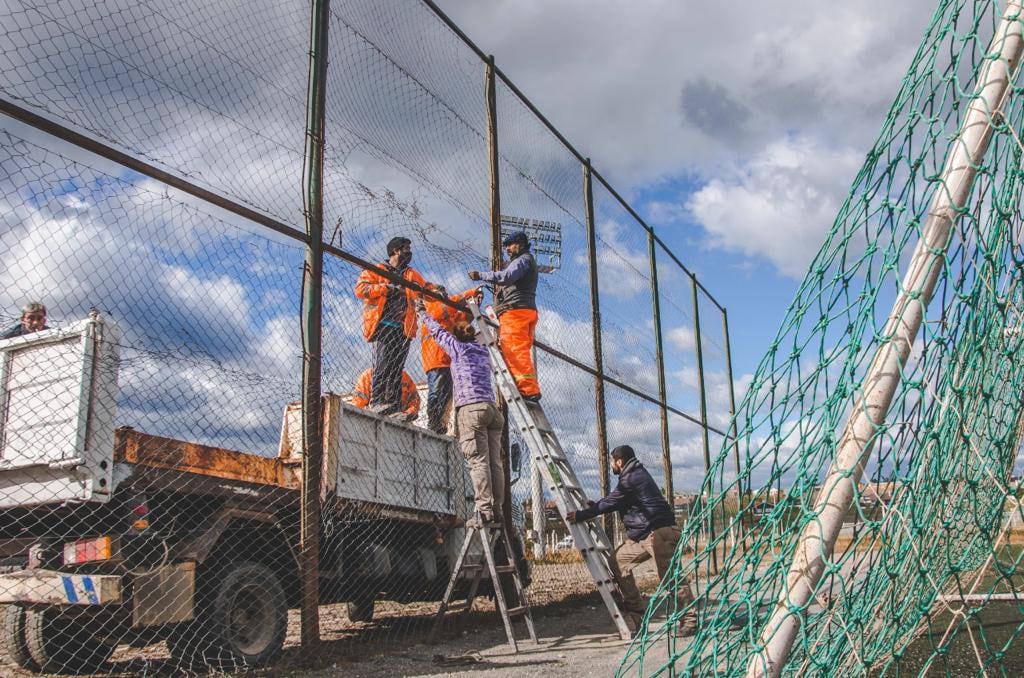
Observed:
{"x":660,"y":544}
{"x":479,"y":430}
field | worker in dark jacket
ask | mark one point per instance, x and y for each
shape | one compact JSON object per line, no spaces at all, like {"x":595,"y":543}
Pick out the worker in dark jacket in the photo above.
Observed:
{"x":650,"y":530}
{"x":516,"y":307}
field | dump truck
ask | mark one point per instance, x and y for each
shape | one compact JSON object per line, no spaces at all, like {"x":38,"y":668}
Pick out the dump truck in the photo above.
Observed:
{"x":110,"y":535}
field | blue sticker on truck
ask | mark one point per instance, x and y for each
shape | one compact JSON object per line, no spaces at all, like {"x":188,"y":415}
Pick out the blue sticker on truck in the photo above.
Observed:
{"x":69,"y":589}
{"x":90,"y":590}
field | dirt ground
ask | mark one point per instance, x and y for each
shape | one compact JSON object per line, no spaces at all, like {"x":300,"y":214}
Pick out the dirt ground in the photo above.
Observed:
{"x":576,"y":636}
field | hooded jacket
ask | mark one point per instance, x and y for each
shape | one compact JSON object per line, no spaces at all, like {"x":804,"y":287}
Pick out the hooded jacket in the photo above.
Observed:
{"x":638,"y":500}
{"x":372,"y":288}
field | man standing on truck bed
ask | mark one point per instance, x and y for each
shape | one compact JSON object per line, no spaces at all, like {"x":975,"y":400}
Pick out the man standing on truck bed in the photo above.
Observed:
{"x":33,"y":319}
{"x":389,"y":323}
{"x":436,"y":363}
{"x":650,"y":530}
{"x":477,"y":418}
{"x":516,"y":307}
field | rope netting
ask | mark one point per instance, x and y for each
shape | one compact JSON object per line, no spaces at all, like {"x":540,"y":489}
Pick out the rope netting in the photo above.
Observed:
{"x":879,"y":435}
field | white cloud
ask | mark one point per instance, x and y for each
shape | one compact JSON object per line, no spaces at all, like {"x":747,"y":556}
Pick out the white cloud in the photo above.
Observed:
{"x":778,"y":206}
{"x":681,"y":338}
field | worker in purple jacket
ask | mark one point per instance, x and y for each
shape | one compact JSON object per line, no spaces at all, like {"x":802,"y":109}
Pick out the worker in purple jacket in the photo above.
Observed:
{"x":478,"y":420}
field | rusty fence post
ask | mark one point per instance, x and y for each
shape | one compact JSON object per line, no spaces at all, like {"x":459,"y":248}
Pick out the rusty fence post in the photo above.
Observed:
{"x":311,"y":325}
{"x":595,"y":323}
{"x":698,"y":347}
{"x":666,"y":449}
{"x":491,"y":98}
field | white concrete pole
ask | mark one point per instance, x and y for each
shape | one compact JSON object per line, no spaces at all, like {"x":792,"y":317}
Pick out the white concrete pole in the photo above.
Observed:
{"x":883,"y":376}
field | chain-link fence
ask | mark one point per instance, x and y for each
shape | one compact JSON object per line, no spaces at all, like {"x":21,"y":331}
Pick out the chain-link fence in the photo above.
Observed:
{"x":161,"y":194}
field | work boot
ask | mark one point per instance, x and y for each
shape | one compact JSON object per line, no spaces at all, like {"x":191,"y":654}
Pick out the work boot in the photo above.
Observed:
{"x":687,"y":625}
{"x":634,"y":622}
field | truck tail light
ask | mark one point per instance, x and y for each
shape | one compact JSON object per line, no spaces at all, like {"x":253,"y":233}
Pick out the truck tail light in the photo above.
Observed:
{"x":88,"y":550}
{"x":140,"y":515}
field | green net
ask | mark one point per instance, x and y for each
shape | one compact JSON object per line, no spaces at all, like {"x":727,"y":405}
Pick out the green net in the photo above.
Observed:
{"x":875,"y":524}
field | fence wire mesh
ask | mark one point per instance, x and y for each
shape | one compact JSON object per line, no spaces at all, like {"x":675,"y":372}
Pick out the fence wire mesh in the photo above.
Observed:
{"x":151,"y":451}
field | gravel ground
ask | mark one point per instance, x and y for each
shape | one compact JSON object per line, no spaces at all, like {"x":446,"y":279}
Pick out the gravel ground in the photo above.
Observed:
{"x":571,"y":623}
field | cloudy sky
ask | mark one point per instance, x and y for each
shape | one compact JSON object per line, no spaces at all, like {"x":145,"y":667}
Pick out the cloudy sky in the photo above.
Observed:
{"x":735,"y":131}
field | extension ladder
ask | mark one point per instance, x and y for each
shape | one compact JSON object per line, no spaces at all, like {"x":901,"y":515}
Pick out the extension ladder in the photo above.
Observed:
{"x":489,"y":535}
{"x":533,"y":425}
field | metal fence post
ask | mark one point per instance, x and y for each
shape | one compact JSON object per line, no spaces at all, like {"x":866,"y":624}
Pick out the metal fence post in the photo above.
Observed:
{"x":490,"y":95}
{"x":595,"y":317}
{"x":312,"y":437}
{"x":666,"y":450}
{"x":698,"y":346}
{"x":740,"y":494}
{"x":490,"y":91}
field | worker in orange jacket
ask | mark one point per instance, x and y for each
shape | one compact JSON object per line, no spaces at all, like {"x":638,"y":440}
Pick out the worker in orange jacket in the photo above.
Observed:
{"x":410,"y":394}
{"x":436,"y":363}
{"x":389,"y":323}
{"x":516,"y":307}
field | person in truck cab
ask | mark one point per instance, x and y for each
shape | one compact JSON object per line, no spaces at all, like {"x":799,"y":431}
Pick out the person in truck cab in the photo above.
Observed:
{"x":651,"y":532}
{"x":33,"y":319}
{"x":410,"y":395}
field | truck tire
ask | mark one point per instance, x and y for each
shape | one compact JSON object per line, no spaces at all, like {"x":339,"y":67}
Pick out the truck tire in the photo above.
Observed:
{"x":13,"y":639}
{"x":360,"y":610}
{"x":62,"y":645}
{"x":242,"y":624}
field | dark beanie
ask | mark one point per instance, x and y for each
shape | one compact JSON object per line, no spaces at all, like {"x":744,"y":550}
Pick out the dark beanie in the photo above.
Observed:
{"x":624,"y":452}
{"x":397,"y":243}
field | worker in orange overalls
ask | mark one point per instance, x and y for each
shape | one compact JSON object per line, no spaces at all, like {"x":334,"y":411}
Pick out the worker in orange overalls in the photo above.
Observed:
{"x":389,"y":323}
{"x":436,"y":363}
{"x":516,"y":307}
{"x":410,"y":395}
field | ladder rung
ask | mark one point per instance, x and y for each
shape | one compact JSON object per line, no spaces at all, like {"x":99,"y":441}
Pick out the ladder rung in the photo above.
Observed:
{"x":457,"y":607}
{"x":504,"y":569}
{"x":513,"y":611}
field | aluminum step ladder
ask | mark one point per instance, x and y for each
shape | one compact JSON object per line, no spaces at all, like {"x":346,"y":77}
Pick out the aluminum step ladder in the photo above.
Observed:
{"x":488,"y":535}
{"x":531,"y":422}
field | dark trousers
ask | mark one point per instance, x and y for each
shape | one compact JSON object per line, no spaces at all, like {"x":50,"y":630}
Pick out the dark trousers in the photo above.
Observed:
{"x":439,"y":394}
{"x":390,"y":348}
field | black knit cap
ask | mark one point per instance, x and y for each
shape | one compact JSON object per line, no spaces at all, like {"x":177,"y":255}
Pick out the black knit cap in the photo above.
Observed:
{"x":624,"y":452}
{"x":396,"y":244}
{"x":517,"y":237}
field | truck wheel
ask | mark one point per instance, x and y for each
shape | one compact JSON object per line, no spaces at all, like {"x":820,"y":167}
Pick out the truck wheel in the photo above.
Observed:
{"x":360,"y":610}
{"x":13,"y":639}
{"x":242,"y":626}
{"x":62,"y":645}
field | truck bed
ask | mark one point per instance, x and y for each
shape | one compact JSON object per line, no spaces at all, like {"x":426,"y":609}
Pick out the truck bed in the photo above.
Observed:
{"x":158,"y":463}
